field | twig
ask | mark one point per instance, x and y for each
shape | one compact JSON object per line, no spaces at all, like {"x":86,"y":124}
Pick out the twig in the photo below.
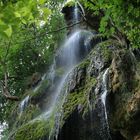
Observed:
{"x":54,"y":31}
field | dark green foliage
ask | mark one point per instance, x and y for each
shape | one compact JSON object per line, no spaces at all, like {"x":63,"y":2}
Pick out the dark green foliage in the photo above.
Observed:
{"x":27,"y":47}
{"x":120,"y":19}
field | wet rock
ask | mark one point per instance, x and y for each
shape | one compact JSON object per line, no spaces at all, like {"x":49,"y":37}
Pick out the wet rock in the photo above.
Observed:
{"x":34,"y":80}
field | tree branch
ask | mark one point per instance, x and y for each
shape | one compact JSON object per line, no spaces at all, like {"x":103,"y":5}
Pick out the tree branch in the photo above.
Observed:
{"x":4,"y":86}
{"x":54,"y":31}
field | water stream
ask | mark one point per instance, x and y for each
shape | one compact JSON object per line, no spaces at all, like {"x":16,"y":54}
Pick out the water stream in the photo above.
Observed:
{"x":104,"y":117}
{"x":24,"y":104}
{"x":103,"y":96}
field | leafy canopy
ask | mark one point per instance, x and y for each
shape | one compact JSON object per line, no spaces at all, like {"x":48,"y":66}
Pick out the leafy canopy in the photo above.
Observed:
{"x":118,"y":17}
{"x":14,"y":14}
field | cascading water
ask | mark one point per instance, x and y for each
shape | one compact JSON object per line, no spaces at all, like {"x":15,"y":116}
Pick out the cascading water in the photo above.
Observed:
{"x":76,"y":15}
{"x":75,"y":48}
{"x":103,"y":96}
{"x":104,"y":116}
{"x":71,"y":53}
{"x":51,"y":74}
{"x":24,"y":103}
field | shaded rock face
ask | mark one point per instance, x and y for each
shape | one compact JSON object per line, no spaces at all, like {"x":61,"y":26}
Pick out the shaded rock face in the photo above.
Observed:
{"x":125,"y":96}
{"x":68,"y":12}
{"x":85,"y":20}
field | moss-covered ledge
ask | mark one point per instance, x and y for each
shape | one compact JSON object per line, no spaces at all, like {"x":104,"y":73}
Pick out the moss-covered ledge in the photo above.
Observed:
{"x":78,"y":95}
{"x":34,"y":130}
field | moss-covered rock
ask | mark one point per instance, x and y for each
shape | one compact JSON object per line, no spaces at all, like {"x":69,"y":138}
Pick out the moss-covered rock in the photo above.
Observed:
{"x":31,"y":112}
{"x":79,"y":88}
{"x":33,"y":80}
{"x":34,"y":130}
{"x":40,"y":92}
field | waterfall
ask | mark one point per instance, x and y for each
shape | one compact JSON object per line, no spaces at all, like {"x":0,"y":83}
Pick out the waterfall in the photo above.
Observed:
{"x":70,"y":54}
{"x":103,"y":96}
{"x":51,"y":74}
{"x":82,"y":9}
{"x":24,"y":103}
{"x":104,"y":116}
{"x":76,"y":13}
{"x":74,"y":49}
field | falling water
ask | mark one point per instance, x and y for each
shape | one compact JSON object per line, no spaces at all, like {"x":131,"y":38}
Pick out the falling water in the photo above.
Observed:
{"x":24,"y":104}
{"x":51,"y":74}
{"x":82,"y":9}
{"x":75,"y":48}
{"x":69,"y":55}
{"x":56,"y":94}
{"x":103,"y":99}
{"x":103,"y":96}
{"x":76,"y":15}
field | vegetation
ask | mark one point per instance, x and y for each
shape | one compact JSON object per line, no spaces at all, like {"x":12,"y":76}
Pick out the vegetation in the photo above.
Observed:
{"x":26,"y":45}
{"x":38,"y":129}
{"x":31,"y":32}
{"x":120,"y":19}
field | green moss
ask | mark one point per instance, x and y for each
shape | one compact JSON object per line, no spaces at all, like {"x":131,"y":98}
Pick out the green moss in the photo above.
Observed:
{"x":28,"y":114}
{"x":35,"y":130}
{"x":106,"y":52}
{"x":84,"y":64}
{"x":71,"y":103}
{"x":41,"y":90}
{"x":81,"y":94}
{"x":110,"y":42}
{"x":80,"y":97}
{"x":107,"y":55}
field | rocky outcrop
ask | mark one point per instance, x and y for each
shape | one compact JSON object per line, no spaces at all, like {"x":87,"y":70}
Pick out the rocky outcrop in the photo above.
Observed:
{"x":85,"y":16}
{"x":123,"y":101}
{"x":125,"y":96}
{"x":82,"y":113}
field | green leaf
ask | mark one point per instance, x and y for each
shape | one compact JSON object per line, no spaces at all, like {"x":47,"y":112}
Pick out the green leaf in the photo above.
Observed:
{"x":17,"y":14}
{"x":8,"y":31}
{"x":1,"y":22}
